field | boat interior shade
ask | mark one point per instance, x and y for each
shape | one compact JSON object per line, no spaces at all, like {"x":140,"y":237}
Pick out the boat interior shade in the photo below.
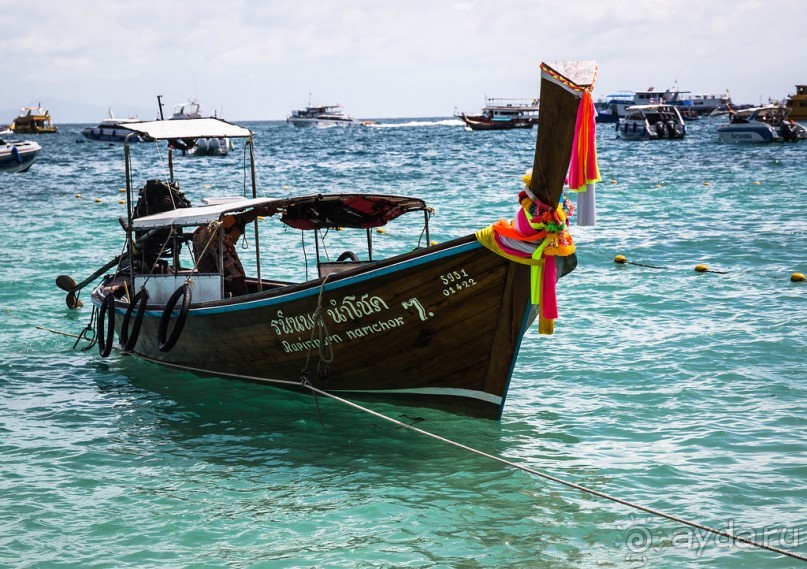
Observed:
{"x":354,"y":211}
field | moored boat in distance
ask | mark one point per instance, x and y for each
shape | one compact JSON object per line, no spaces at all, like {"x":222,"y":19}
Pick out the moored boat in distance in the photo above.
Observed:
{"x":17,"y":156}
{"x":651,"y":122}
{"x":769,"y":123}
{"x":321,"y":116}
{"x":436,"y":325}
{"x":33,"y":120}
{"x":797,"y":103}
{"x":111,"y":129}
{"x":503,"y":114}
{"x":203,"y":146}
{"x":612,"y":107}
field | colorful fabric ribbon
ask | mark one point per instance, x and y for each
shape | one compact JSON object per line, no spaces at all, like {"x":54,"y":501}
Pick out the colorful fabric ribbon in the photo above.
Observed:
{"x":583,"y":166}
{"x":533,"y":237}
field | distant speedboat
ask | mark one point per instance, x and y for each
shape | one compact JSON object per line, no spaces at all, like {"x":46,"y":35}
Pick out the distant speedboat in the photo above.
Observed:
{"x":651,"y":122}
{"x":110,"y":129}
{"x":17,"y":156}
{"x":33,"y":120}
{"x":770,"y":123}
{"x":201,"y":146}
{"x":504,"y":114}
{"x":322,"y":116}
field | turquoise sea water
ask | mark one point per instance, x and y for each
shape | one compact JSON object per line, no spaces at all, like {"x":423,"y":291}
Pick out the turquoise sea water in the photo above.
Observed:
{"x":681,"y":391}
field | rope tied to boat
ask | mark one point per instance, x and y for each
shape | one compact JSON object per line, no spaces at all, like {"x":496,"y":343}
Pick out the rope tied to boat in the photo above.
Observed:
{"x":735,"y":537}
{"x":88,"y":333}
{"x":321,"y":328}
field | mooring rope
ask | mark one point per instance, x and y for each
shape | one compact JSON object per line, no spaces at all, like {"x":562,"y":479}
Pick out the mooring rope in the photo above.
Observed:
{"x":557,"y":480}
{"x":305,"y":383}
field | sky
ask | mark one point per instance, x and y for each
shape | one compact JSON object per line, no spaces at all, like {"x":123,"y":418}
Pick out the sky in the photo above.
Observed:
{"x":258,"y":60}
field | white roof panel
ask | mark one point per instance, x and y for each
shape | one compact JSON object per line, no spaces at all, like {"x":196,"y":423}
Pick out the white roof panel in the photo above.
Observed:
{"x":196,"y":215}
{"x":189,"y":128}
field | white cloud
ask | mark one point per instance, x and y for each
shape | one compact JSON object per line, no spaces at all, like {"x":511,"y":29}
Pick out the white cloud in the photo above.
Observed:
{"x":416,"y":58}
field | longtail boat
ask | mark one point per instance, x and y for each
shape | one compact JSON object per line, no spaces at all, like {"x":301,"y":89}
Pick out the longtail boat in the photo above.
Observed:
{"x":438,"y":326}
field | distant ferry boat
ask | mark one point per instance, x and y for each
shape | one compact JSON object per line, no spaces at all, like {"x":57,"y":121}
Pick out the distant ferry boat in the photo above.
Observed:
{"x":504,"y":114}
{"x":110,"y":129}
{"x":798,"y":104}
{"x":612,"y":107}
{"x":33,"y":120}
{"x":320,"y":116}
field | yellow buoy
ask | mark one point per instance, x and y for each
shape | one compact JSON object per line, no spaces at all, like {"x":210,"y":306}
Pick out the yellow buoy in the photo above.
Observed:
{"x":701,"y":269}
{"x":706,"y":184}
{"x":613,"y":181}
{"x":121,"y":201}
{"x":98,"y":200}
{"x":432,"y":243}
{"x":621,"y":259}
{"x":380,"y":230}
{"x":798,"y":277}
{"x":658,"y":185}
{"x":756,"y":183}
{"x":121,"y":190}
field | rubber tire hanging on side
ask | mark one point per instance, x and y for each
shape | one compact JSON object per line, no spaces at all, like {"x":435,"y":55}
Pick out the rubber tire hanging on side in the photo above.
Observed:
{"x":105,"y":337}
{"x":140,"y":300}
{"x":167,"y":345}
{"x":347,"y":256}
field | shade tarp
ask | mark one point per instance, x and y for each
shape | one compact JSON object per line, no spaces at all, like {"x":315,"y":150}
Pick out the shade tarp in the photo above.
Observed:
{"x":189,"y":128}
{"x":197,"y":215}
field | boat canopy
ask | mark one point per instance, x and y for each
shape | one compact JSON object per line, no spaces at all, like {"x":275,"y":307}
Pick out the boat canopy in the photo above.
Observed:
{"x":188,"y":128}
{"x":184,"y":217}
{"x":354,"y":211}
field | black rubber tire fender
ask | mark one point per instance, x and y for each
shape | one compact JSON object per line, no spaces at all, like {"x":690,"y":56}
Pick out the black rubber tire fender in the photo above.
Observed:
{"x":105,"y":337}
{"x":128,"y":341}
{"x":347,"y":256}
{"x":166,"y":345}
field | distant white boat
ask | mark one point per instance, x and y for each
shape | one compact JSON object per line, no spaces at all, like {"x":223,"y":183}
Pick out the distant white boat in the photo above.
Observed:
{"x":612,"y":107}
{"x":110,"y":129}
{"x":17,"y":156}
{"x":762,"y":124}
{"x":651,"y":122}
{"x":322,"y":116}
{"x":201,"y":146}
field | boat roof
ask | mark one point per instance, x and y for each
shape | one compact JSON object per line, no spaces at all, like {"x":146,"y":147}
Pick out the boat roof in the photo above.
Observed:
{"x":650,"y":107}
{"x":199,"y":215}
{"x":306,"y":212}
{"x":188,"y":128}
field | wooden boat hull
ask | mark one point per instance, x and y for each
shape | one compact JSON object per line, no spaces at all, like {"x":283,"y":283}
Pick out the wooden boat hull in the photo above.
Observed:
{"x":484,"y":123}
{"x":439,"y":327}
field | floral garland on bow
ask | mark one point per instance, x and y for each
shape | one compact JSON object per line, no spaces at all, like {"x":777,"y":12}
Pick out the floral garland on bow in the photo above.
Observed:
{"x":535,"y":236}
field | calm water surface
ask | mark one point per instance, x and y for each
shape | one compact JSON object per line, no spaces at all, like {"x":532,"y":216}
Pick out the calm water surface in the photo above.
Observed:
{"x":677,"y":390}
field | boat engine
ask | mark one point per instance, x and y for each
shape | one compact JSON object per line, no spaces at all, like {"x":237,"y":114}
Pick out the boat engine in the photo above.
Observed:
{"x":672,"y":132}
